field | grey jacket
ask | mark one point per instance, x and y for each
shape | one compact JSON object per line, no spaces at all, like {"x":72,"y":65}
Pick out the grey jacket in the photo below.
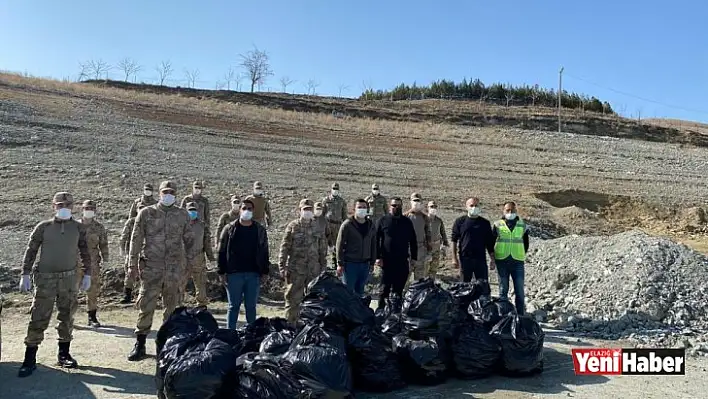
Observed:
{"x":352,"y":246}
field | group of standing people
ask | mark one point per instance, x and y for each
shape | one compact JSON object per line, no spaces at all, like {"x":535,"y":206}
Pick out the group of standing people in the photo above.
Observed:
{"x":165,"y":245}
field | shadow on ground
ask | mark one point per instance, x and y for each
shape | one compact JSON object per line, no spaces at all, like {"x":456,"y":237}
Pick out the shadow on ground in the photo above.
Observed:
{"x":558,"y":377}
{"x":49,"y":382}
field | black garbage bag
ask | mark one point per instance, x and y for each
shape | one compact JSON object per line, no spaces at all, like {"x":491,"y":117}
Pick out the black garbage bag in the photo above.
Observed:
{"x":375,"y":367}
{"x":173,"y":350}
{"x":254,"y":334}
{"x":277,"y":343}
{"x":476,"y":354}
{"x":316,"y":335}
{"x":393,"y":305}
{"x":393,"y":325}
{"x":366,"y":301}
{"x":185,"y":320}
{"x":235,"y":338}
{"x":421,"y":361}
{"x":488,"y":311}
{"x":266,"y":376}
{"x":203,"y":373}
{"x":330,"y":303}
{"x":464,"y":293}
{"x":323,"y":363}
{"x":522,"y":344}
{"x":428,"y":309}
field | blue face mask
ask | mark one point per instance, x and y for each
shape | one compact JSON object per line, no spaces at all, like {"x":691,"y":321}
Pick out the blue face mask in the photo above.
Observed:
{"x":193,"y":215}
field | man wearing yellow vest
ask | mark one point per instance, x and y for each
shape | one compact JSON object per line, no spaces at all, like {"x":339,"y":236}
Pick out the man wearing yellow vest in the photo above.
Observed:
{"x":511,"y":244}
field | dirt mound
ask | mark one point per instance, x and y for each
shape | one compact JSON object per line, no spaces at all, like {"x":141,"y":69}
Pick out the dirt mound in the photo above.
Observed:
{"x":574,"y":213}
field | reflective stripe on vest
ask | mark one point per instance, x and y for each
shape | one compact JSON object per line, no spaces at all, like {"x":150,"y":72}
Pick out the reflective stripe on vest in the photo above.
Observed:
{"x":510,"y":243}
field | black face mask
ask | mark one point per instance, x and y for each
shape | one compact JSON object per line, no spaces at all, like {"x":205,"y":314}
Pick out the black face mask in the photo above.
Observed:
{"x":397,"y":211}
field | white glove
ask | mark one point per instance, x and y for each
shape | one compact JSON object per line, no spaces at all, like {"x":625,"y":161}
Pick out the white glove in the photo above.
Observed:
{"x":85,"y":283}
{"x":25,"y":283}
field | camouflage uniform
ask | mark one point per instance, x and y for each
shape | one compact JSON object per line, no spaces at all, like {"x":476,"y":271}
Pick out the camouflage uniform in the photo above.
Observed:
{"x":438,"y":237}
{"x":335,"y":210}
{"x":421,"y":223}
{"x":202,"y":203}
{"x":129,"y":281}
{"x":54,"y":278}
{"x":261,"y":206}
{"x":162,"y":234}
{"x":196,"y":265}
{"x":378,"y":204}
{"x":302,"y":258}
{"x":226,"y":218}
{"x":322,"y":224}
{"x":97,"y":241}
{"x":141,"y":202}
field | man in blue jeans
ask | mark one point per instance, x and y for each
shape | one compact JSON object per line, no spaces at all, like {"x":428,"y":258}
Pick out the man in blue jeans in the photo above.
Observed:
{"x":356,"y":248}
{"x":510,"y":248}
{"x":243,"y":260}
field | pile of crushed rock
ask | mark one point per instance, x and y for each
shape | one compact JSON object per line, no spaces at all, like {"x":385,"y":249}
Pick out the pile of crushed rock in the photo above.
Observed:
{"x":633,"y":286}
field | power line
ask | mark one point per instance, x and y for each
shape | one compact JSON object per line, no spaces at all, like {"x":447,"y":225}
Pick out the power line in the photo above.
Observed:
{"x":637,"y":97}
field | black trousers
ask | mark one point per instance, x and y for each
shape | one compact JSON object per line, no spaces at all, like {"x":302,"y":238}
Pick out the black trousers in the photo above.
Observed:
{"x":394,"y":275}
{"x":473,"y":268}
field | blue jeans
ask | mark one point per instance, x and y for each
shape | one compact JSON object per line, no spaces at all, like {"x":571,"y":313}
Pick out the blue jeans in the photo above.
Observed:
{"x":356,"y":276}
{"x":515,"y":269}
{"x":242,"y":287}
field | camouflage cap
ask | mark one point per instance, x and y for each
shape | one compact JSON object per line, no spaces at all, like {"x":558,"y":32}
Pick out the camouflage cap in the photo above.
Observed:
{"x":168,"y":185}
{"x":235,"y":199}
{"x":319,"y":205}
{"x":416,"y":197}
{"x":147,"y":186}
{"x":335,"y":186}
{"x":374,"y":186}
{"x":306,"y":203}
{"x":89,"y":204}
{"x":198,"y":184}
{"x":432,"y":204}
{"x":192,"y":206}
{"x":257,"y":185}
{"x":63,"y":197}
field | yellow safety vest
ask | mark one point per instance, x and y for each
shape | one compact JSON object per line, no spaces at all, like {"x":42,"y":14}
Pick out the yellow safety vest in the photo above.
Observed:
{"x":510,"y":243}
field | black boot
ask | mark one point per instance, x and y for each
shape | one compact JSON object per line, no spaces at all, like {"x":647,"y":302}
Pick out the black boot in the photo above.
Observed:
{"x":64,"y":359}
{"x":128,"y":298}
{"x":92,"y":320}
{"x":138,"y":352}
{"x":30,"y":363}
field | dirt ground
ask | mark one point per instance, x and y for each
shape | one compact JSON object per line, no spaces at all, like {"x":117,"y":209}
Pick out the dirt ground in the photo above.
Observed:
{"x":105,"y":373}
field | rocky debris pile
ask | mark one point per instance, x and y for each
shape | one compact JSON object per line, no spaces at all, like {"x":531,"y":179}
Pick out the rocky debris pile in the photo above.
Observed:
{"x":629,"y":285}
{"x":544,"y":229}
{"x":574,"y":213}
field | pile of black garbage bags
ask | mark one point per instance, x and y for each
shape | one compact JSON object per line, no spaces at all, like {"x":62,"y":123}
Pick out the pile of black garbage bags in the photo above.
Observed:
{"x":340,"y":346}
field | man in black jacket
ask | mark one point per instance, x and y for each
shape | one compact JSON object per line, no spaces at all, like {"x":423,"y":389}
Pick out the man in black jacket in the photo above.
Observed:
{"x":472,"y":239}
{"x":397,"y":246}
{"x":243,"y":260}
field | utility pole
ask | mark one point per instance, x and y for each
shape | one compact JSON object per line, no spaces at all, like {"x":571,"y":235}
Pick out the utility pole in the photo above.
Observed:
{"x":560,"y":93}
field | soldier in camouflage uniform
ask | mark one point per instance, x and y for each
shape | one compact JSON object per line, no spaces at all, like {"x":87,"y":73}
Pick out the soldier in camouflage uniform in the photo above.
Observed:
{"x":227,"y":217}
{"x":202,"y":202}
{"x":97,"y":241}
{"x":58,"y":241}
{"x":129,"y":281}
{"x":302,"y":257}
{"x":323,"y":225}
{"x":146,"y":199}
{"x":421,"y":223}
{"x":163,"y":236}
{"x":335,"y":210}
{"x":261,"y":203}
{"x":438,"y":239}
{"x":378,"y":204}
{"x":196,"y":265}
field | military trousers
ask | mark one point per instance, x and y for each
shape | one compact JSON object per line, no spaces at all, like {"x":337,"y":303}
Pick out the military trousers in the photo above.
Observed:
{"x":420,"y":266}
{"x":196,"y":269}
{"x":158,"y":280}
{"x":294,"y":294}
{"x":334,"y":228}
{"x":95,"y":288}
{"x":436,"y":256}
{"x":50,"y":289}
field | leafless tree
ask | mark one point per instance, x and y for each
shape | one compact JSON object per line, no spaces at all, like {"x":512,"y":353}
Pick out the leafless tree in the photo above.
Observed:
{"x":285,"y":82}
{"x":191,"y":76}
{"x":164,"y":71}
{"x":509,"y":96}
{"x":257,"y":65}
{"x":312,"y":85}
{"x":342,"y":88}
{"x":96,"y":69}
{"x":218,"y":85}
{"x":229,"y":77}
{"x":239,"y":78}
{"x":84,"y":71}
{"x":129,"y":68}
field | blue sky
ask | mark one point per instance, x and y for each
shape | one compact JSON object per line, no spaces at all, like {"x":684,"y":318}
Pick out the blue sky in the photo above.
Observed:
{"x":651,"y":51}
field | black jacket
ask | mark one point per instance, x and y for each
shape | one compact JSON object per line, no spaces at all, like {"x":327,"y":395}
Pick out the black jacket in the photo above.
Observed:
{"x":228,"y":258}
{"x":396,"y":239}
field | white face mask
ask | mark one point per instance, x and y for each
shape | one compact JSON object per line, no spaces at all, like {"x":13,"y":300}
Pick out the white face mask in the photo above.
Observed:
{"x":197,"y":191}
{"x":257,"y":192}
{"x":361,"y":213}
{"x":416,"y":205}
{"x":473,"y":211}
{"x":147,"y":193}
{"x":375,"y":192}
{"x":89,"y":214}
{"x":318,"y":212}
{"x":510,"y":216}
{"x":335,"y":193}
{"x":167,"y":199}
{"x":432,"y":211}
{"x":64,"y":214}
{"x":246,"y":215}
{"x":235,"y":207}
{"x":307,"y":215}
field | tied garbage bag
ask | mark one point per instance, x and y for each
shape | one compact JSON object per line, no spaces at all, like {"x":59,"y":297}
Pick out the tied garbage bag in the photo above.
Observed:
{"x":375,"y":367}
{"x":232,"y":337}
{"x":201,"y":374}
{"x":393,"y":325}
{"x":475,"y":353}
{"x":265,"y":376}
{"x":428,"y":309}
{"x":464,"y":293}
{"x":421,"y":360}
{"x":277,"y":343}
{"x":185,"y":321}
{"x":173,"y":350}
{"x":255,"y":333}
{"x":316,"y":335}
{"x":330,"y":303}
{"x":393,"y":305}
{"x":522,"y":344}
{"x":488,"y":311}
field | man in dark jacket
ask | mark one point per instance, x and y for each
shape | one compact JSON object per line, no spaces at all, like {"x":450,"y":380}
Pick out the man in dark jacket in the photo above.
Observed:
{"x":243,"y":260}
{"x":472,"y":239}
{"x":356,"y":248}
{"x":396,"y":247}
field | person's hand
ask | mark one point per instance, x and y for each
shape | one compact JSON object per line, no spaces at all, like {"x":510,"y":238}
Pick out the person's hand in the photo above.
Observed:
{"x":85,"y":283}
{"x":25,"y":283}
{"x":379,"y":262}
{"x":492,"y":264}
{"x":456,"y":262}
{"x":340,"y":270}
{"x":223,"y":279}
